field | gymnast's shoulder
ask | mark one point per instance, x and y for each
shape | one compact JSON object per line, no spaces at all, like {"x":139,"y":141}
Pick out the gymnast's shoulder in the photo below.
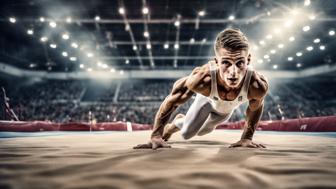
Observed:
{"x":258,"y":86}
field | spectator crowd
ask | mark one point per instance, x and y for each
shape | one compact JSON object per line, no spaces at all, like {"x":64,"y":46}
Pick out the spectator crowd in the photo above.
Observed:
{"x":138,"y":101}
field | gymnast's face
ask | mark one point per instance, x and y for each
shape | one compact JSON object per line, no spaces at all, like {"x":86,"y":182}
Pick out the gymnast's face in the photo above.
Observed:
{"x":232,"y":66}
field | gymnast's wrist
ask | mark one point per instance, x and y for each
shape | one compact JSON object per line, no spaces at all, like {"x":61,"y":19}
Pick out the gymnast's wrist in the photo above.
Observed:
{"x":246,"y":137}
{"x":156,"y":135}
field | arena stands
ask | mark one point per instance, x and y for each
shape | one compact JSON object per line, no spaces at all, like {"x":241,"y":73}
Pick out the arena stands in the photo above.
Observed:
{"x":138,"y":100}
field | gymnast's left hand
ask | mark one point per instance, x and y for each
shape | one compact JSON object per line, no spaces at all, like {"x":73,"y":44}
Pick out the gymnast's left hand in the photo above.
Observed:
{"x":246,"y":143}
{"x":155,"y":143}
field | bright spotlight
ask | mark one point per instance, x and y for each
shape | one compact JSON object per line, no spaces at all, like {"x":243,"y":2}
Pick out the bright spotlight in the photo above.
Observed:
{"x":262,"y":42}
{"x":260,"y":61}
{"x":255,"y":47}
{"x":12,"y":20}
{"x":65,"y":54}
{"x":52,"y":24}
{"x":280,"y":46}
{"x":290,"y":58}
{"x":44,"y":39}
{"x":317,"y":40}
{"x":269,"y":36}
{"x":73,"y":58}
{"x":65,"y":36}
{"x":145,"y":10}
{"x":127,"y":27}
{"x":231,"y":17}
{"x":81,"y":66}
{"x":306,"y":3}
{"x":192,"y":41}
{"x":148,"y":46}
{"x":32,"y":65}
{"x":146,"y":34}
{"x":68,"y":20}
{"x":204,"y":40}
{"x":176,"y":46}
{"x":74,"y":45}
{"x":322,"y":47}
{"x":266,"y":56}
{"x":299,"y":54}
{"x":135,"y":47}
{"x":89,"y":69}
{"x":298,"y":65}
{"x":97,"y":18}
{"x":121,"y":72}
{"x":275,"y":66}
{"x":310,"y":48}
{"x":121,"y":10}
{"x":112,"y":70}
{"x":273,"y":51}
{"x":89,"y":54}
{"x":30,"y":32}
{"x":291,"y":38}
{"x":201,"y":13}
{"x":166,"y":46}
{"x":306,"y":28}
{"x":42,"y":19}
{"x":53,"y":46}
{"x":127,"y":61}
{"x":177,"y":23}
{"x":331,"y":32}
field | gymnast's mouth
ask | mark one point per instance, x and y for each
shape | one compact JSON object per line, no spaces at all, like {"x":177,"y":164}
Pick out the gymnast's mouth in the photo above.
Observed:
{"x":233,"y":80}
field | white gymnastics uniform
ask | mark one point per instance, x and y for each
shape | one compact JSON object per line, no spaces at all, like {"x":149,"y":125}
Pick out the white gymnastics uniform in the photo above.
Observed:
{"x":206,"y":113}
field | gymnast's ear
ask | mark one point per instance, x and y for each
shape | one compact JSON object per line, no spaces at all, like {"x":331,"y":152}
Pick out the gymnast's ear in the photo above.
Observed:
{"x":215,"y":59}
{"x":248,"y":59}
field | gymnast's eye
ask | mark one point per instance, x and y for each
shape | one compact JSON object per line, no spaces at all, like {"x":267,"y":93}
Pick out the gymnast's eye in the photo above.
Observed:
{"x":240,"y":63}
{"x":225,"y":62}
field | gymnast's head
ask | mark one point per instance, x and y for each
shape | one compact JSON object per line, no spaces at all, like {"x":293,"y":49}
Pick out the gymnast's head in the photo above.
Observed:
{"x":232,"y":56}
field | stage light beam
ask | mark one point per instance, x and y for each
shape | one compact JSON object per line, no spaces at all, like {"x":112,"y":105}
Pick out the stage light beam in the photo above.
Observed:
{"x":317,"y":40}
{"x":310,"y":48}
{"x":121,"y":10}
{"x":30,"y":32}
{"x":231,"y":17}
{"x":52,"y":24}
{"x":12,"y":20}
{"x":145,"y":10}
{"x":201,"y":13}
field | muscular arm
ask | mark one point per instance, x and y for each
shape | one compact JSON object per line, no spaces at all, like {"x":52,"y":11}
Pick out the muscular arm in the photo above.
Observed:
{"x":182,"y":90}
{"x":252,"y":119}
{"x":198,"y":81}
{"x":257,"y":92}
{"x":179,"y":95}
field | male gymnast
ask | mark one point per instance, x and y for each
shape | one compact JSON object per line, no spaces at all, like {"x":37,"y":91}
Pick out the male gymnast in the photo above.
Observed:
{"x":221,"y":86}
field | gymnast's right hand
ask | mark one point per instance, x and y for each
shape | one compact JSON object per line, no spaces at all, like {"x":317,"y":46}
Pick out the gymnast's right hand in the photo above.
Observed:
{"x":155,"y":143}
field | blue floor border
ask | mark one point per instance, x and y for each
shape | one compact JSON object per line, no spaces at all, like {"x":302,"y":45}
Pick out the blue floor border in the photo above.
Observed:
{"x":61,"y":133}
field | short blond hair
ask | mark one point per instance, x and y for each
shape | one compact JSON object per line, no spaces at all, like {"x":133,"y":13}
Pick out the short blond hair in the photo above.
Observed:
{"x":232,"y":40}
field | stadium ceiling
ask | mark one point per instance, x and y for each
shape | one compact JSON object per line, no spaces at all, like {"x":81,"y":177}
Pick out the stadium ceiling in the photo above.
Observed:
{"x":77,"y":35}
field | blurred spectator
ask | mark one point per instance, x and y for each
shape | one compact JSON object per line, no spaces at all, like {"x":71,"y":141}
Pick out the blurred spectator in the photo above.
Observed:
{"x":6,"y":112}
{"x":138,"y":101}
